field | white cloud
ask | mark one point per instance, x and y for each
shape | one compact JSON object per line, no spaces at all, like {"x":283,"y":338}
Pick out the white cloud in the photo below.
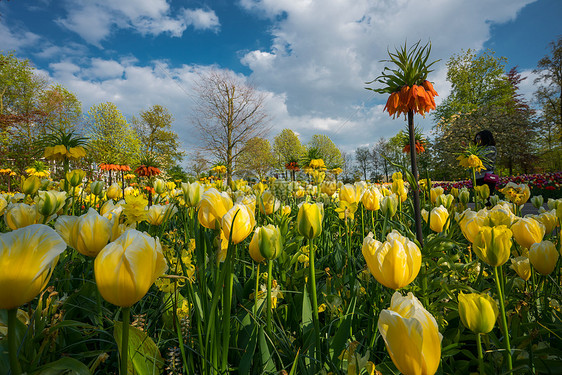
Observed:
{"x":323,"y":52}
{"x":16,"y":39}
{"x":94,"y":20}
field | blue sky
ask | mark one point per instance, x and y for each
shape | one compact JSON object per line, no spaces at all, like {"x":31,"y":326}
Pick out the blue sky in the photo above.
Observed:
{"x":310,"y":57}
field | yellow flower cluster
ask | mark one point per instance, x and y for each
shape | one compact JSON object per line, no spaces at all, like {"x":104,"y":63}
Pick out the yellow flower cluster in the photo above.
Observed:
{"x":472,"y":161}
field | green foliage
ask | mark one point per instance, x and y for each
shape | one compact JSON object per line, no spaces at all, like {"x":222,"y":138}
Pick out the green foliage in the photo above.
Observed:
{"x":326,"y":150}
{"x":287,"y":147}
{"x":112,"y":140}
{"x":256,"y":159}
{"x":154,"y":127}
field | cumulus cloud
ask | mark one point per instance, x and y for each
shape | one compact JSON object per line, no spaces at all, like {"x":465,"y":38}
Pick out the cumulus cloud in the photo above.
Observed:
{"x":323,"y":52}
{"x":94,"y":20}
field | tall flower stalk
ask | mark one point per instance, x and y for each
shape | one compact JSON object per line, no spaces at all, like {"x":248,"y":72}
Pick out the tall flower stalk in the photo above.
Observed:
{"x":410,"y":93}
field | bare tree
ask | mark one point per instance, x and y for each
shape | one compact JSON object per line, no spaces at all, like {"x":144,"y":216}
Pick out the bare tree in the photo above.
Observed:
{"x":228,"y":112}
{"x":362,"y":156}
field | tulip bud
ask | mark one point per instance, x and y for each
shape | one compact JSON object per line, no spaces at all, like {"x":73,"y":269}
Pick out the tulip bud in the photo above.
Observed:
{"x":494,"y":200}
{"x":49,"y":202}
{"x":493,"y":245}
{"x":544,"y":257}
{"x":114,"y":191}
{"x":157,"y":213}
{"x":28,"y":256}
{"x":411,"y":335}
{"x":192,"y":193}
{"x":522,"y":266}
{"x":159,"y":186}
{"x":75,"y":177}
{"x":549,"y":220}
{"x":528,"y":231}
{"x":455,"y":192}
{"x":464,"y":196}
{"x":309,"y":219}
{"x":470,"y":224}
{"x":96,"y":188}
{"x":537,"y":201}
{"x":254,"y":248}
{"x":389,"y":205}
{"x":395,"y":263}
{"x":553,"y":203}
{"x":270,"y":241}
{"x":445,"y":200}
{"x":30,"y":185}
{"x":126,"y":268}
{"x":3,"y":205}
{"x":478,"y":312}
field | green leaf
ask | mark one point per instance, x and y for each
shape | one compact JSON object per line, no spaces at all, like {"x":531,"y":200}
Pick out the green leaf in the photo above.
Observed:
{"x":144,"y":356}
{"x":65,"y":365}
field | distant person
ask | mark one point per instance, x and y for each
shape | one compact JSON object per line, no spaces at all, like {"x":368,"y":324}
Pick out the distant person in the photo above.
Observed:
{"x":485,"y":139}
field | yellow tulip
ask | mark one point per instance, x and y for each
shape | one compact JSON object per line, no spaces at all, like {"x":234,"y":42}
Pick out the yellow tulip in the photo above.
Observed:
{"x":549,"y":220}
{"x":212,"y":207}
{"x":544,"y":257}
{"x":309,"y":219}
{"x":238,"y":223}
{"x":439,"y":219}
{"x":528,"y":231}
{"x":435,"y":192}
{"x":91,"y":233}
{"x":400,"y":189}
{"x":464,"y":196}
{"x":516,"y":193}
{"x":65,"y":228}
{"x":192,"y":193}
{"x":478,"y":312}
{"x":500,"y":214}
{"x":270,"y":241}
{"x":396,"y":262}
{"x":522,"y":266}
{"x":445,"y":200}
{"x":114,"y":191}
{"x":348,"y":193}
{"x":269,"y":204}
{"x":254,"y":248}
{"x":493,"y":245}
{"x":411,"y":336}
{"x":157,"y":213}
{"x":249,"y":201}
{"x":371,"y":199}
{"x":30,"y":185}
{"x":20,"y":215}
{"x":370,"y":246}
{"x":328,"y":188}
{"x":126,"y":268}
{"x":286,"y":210}
{"x":470,"y":224}
{"x":3,"y":205}
{"x":27,"y":258}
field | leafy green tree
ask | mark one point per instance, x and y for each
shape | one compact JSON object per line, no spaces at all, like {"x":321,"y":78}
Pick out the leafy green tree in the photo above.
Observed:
{"x":257,"y":158}
{"x":287,"y":148}
{"x":483,"y":96}
{"x":62,"y":110}
{"x":154,"y":127}
{"x":326,"y":149}
{"x":112,"y":139}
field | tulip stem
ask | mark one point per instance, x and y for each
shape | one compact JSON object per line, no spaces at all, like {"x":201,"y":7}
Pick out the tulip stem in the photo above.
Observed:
{"x":314,"y":300}
{"x":504,"y":320}
{"x":125,"y":312}
{"x":12,"y":341}
{"x":480,"y":356}
{"x":257,"y":290}
{"x":269,"y":305}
